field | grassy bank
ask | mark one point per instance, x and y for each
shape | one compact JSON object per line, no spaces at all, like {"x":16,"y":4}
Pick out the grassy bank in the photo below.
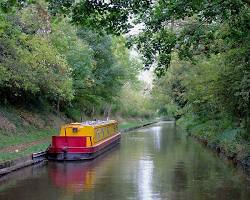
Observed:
{"x":4,"y":156}
{"x":29,"y":137}
{"x":15,"y":146}
{"x":24,"y":131}
{"x":222,"y":136}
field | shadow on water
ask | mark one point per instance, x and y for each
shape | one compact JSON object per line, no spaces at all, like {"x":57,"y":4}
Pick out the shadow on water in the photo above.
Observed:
{"x":155,"y":162}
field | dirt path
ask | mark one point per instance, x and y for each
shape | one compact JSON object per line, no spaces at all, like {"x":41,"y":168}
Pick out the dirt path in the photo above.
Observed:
{"x":20,"y":147}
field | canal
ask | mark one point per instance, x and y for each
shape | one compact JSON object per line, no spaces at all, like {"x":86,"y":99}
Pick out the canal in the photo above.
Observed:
{"x":155,"y":162}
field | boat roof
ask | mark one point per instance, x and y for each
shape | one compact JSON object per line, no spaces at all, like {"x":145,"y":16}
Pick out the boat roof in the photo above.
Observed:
{"x":93,"y":123}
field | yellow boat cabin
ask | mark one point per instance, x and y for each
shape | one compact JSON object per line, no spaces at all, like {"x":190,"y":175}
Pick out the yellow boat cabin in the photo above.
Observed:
{"x":95,"y":131}
{"x":86,"y":140}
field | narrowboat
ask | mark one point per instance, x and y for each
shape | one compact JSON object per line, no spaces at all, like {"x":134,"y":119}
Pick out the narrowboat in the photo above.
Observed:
{"x":83,"y":141}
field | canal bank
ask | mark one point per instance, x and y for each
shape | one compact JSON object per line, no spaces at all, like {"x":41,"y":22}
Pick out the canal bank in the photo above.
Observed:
{"x":227,"y":143}
{"x":24,"y":161}
{"x":243,"y":164}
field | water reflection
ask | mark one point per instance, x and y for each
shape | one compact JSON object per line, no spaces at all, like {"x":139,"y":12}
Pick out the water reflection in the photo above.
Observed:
{"x":157,"y":137}
{"x":79,"y":176}
{"x":73,"y":177}
{"x":144,"y":179}
{"x":179,"y":179}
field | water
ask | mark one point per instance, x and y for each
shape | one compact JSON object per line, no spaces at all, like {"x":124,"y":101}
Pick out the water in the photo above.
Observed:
{"x":157,"y":162}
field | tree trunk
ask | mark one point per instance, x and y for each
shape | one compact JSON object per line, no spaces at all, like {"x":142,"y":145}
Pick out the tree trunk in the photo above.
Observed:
{"x":58,"y":105}
{"x":105,"y":112}
{"x":109,"y":112}
{"x":93,"y":112}
{"x":247,"y":120}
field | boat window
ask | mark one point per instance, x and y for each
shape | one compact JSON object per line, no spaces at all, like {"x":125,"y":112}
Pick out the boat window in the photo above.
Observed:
{"x":103,"y":132}
{"x":98,"y":137}
{"x":74,"y":130}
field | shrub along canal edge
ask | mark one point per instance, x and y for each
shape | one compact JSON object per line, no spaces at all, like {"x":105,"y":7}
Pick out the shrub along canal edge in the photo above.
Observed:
{"x":13,"y":165}
{"x":241,"y":164}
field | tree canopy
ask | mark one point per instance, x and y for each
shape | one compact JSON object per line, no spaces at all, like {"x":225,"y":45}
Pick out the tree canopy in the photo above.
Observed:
{"x":189,"y":27}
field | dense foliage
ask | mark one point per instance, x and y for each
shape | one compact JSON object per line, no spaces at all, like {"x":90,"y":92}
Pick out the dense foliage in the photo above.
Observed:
{"x":27,"y":60}
{"x":47,"y":60}
{"x":207,"y":83}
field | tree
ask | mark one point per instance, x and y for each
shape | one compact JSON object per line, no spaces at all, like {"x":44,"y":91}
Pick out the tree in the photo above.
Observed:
{"x":27,"y":59}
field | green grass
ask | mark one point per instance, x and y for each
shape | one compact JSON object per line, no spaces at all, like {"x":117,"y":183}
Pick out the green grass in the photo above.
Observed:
{"x":4,"y":156}
{"x":8,"y":140}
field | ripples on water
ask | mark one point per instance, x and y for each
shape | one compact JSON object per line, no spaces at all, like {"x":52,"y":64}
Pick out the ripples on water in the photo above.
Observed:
{"x":156,"y":162}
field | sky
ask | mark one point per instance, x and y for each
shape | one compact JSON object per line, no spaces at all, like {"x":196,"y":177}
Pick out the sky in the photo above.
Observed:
{"x":145,"y":75}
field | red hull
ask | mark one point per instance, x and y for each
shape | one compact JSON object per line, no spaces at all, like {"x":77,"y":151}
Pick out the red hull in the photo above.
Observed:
{"x":74,"y":148}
